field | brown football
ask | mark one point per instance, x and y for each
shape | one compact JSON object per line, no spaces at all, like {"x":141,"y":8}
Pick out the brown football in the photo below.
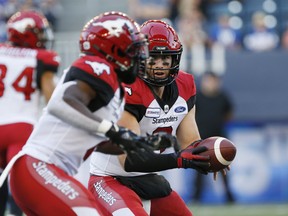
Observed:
{"x":221,"y":150}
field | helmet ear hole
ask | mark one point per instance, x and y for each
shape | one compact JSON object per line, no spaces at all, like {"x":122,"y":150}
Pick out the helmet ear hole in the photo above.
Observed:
{"x":120,"y":53}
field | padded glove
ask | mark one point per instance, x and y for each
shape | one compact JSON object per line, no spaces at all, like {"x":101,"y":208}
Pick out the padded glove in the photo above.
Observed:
{"x":190,"y":158}
{"x":132,"y":144}
{"x":162,"y":140}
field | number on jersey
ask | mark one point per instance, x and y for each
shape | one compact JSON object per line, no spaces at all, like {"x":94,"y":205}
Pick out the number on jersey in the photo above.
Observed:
{"x":22,"y":84}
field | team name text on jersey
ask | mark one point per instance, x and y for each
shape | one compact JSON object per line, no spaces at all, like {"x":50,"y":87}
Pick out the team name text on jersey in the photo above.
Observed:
{"x":164,"y":120}
{"x":51,"y":178}
{"x":107,"y":197}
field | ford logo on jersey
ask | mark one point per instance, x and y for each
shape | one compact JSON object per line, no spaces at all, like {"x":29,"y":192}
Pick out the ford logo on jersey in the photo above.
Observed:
{"x":179,"y":109}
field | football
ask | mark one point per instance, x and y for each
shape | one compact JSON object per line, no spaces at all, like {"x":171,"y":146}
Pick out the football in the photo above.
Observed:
{"x":221,"y":151}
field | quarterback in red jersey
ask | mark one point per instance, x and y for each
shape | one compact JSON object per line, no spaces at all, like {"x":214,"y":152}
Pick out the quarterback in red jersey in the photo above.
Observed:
{"x":27,"y":71}
{"x":160,"y":100}
{"x":83,"y":111}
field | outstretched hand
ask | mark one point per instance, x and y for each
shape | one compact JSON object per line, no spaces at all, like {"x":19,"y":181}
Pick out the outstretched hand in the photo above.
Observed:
{"x":223,"y":172}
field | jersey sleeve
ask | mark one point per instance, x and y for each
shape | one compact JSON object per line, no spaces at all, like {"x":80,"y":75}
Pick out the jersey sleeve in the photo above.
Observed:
{"x":47,"y":61}
{"x":187,"y":88}
{"x":50,"y":60}
{"x":134,"y":99}
{"x":100,"y":78}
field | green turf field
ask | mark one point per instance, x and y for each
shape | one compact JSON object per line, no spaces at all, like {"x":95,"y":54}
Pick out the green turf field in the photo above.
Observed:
{"x":240,"y":210}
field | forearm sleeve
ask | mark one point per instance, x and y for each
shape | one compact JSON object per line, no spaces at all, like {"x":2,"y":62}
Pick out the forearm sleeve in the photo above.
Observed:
{"x":157,"y":162}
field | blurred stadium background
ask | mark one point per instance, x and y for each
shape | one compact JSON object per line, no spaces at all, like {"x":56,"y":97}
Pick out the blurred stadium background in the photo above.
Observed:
{"x":240,"y":210}
{"x":258,"y":84}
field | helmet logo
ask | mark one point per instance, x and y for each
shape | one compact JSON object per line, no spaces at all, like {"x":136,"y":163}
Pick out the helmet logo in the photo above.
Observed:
{"x":98,"y":68}
{"x":21,"y":25}
{"x":113,"y":26}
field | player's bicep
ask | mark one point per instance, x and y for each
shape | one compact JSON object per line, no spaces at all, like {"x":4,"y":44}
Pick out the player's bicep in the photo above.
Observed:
{"x":69,"y":103}
{"x":79,"y":92}
{"x":187,"y":131}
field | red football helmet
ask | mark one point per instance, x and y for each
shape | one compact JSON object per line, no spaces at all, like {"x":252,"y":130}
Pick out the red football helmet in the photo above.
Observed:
{"x":29,"y":29}
{"x":117,"y":38}
{"x":163,"y":40}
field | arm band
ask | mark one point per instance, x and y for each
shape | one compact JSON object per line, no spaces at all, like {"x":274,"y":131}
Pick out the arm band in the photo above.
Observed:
{"x":157,"y":162}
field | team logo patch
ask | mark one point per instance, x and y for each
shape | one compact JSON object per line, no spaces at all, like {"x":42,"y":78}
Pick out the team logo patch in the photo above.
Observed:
{"x":153,"y":113}
{"x":179,"y":109}
{"x":98,"y":68}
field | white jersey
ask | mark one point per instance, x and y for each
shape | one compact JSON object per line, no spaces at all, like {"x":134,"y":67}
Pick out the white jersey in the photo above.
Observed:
{"x":55,"y":141}
{"x":153,"y":114}
{"x":20,"y":82}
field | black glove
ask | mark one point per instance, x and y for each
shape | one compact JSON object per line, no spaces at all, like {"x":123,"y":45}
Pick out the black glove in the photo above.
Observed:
{"x":162,"y":140}
{"x":190,"y":158}
{"x":132,"y":144}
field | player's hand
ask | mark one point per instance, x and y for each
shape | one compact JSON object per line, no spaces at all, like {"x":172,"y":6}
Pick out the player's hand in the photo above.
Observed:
{"x":223,"y":172}
{"x":129,"y":142}
{"x":161,"y":140}
{"x":190,"y":158}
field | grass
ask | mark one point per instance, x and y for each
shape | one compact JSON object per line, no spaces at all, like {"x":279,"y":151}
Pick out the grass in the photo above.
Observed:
{"x":240,"y":210}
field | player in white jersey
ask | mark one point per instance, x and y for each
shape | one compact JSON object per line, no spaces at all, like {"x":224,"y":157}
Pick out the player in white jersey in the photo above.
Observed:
{"x":81,"y":113}
{"x":163,"y":99}
{"x":27,"y":71}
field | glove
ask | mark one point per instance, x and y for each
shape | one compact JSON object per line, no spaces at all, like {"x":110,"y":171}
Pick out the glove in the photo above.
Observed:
{"x":162,"y":140}
{"x":129,"y":142}
{"x":190,"y":158}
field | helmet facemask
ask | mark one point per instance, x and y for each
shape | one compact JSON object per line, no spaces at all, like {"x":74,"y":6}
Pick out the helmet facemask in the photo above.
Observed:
{"x":48,"y":39}
{"x":44,"y":38}
{"x":138,"y":52}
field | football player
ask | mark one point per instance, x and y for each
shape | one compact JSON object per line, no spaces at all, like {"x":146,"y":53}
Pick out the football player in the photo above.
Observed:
{"x":160,"y":100}
{"x":27,"y":71}
{"x":87,"y":100}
